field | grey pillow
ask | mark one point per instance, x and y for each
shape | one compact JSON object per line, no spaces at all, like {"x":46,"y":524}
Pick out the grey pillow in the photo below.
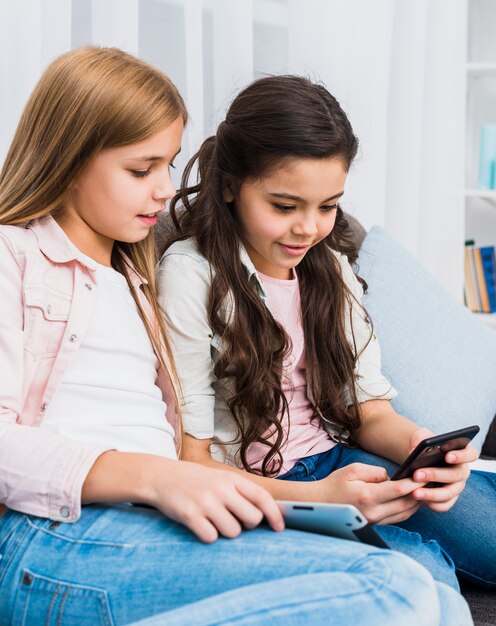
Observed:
{"x":440,"y":358}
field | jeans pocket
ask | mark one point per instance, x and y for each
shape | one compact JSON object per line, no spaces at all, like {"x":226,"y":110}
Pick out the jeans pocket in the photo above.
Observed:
{"x":42,"y":601}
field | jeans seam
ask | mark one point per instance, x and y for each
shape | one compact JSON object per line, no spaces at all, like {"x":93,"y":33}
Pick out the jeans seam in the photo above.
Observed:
{"x":50,"y":608}
{"x":490,"y":583}
{"x":108,"y":544}
{"x":62,"y":604}
{"x":308,"y":466}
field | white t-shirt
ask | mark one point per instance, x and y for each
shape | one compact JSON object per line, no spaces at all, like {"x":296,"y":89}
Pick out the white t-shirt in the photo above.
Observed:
{"x":108,"y":393}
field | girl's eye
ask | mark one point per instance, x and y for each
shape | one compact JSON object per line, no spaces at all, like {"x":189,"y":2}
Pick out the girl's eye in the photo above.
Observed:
{"x":172,"y":165}
{"x":140,"y":173}
{"x":284,"y":208}
{"x":327,"y":208}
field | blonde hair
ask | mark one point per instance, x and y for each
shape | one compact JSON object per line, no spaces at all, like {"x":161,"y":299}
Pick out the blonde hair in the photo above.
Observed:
{"x":87,"y":100}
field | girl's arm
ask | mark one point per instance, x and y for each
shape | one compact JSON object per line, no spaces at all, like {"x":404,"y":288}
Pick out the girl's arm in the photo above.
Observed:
{"x":385,"y":432}
{"x":41,"y":473}
{"x":366,"y":486}
{"x":209,"y":502}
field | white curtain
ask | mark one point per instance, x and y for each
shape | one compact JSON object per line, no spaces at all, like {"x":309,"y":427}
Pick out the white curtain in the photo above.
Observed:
{"x":397,"y":67}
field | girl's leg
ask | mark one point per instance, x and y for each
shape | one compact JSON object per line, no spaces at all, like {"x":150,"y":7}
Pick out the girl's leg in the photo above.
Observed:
{"x":120,"y":564}
{"x":465,"y":532}
{"x":305,"y":600}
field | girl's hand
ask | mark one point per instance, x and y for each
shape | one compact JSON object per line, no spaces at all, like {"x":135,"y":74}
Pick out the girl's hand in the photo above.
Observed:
{"x":453,"y":478}
{"x":212,"y":502}
{"x":368,"y":487}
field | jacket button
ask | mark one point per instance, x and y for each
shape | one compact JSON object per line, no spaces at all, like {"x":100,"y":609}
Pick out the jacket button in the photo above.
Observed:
{"x":88,"y":286}
{"x":27,"y":579}
{"x":73,"y":338}
{"x":65,"y":511}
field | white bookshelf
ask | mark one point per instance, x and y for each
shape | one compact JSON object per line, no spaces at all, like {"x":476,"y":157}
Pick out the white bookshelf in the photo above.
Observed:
{"x":480,"y":204}
{"x":479,"y":70}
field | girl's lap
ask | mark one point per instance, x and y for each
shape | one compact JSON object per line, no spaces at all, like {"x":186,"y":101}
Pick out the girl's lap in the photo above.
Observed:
{"x":119,"y":553}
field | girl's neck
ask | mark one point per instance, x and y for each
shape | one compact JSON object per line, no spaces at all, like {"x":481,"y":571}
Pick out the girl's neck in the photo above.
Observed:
{"x":89,"y":242}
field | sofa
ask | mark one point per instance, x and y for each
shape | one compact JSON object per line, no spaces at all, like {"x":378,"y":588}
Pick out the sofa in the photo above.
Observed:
{"x":393,"y":295}
{"x":482,"y":602}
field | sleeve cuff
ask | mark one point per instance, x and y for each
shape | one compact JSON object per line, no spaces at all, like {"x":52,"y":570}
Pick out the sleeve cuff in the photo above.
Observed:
{"x":64,"y":504}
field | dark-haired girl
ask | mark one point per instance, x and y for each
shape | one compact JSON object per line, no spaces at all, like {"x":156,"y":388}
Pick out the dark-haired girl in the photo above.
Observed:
{"x":278,"y":362}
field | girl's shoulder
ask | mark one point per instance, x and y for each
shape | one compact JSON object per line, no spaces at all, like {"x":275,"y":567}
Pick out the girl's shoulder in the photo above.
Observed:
{"x":183,"y":260}
{"x":348,"y":274}
{"x":18,"y":239}
{"x":185,"y":248}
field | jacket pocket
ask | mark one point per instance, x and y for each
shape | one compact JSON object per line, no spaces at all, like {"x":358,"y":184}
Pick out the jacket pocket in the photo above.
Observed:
{"x":42,"y":601}
{"x":45,"y":320}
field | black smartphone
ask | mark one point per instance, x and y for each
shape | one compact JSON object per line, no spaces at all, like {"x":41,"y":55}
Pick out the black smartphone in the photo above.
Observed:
{"x":431,"y":451}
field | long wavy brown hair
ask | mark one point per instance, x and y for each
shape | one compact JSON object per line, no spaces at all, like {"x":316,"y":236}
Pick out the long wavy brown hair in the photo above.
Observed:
{"x":87,"y":100}
{"x":274,"y":119}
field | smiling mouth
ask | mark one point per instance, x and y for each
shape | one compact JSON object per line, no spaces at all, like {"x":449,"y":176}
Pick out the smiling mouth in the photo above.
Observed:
{"x":295,"y":246}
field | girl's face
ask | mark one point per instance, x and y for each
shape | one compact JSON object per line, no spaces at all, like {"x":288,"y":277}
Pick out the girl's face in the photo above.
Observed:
{"x":288,"y":211}
{"x":121,"y":192}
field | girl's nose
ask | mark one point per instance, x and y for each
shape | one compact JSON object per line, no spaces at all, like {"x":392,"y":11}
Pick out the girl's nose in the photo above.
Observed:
{"x":165,"y":189}
{"x":306,"y":226}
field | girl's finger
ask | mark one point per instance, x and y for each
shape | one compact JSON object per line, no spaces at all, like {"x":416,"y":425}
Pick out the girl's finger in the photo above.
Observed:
{"x":202,"y":528}
{"x":394,"y":509}
{"x":224,"y":521}
{"x":263,"y":501}
{"x":402,"y":516}
{"x":439,"y":494}
{"x":467,"y":455}
{"x":247,"y":513}
{"x":445,"y":475}
{"x":395,"y":489}
{"x":441,"y":507}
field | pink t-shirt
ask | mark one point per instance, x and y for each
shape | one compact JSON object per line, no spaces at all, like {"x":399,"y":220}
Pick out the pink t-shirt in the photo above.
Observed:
{"x":306,"y":436}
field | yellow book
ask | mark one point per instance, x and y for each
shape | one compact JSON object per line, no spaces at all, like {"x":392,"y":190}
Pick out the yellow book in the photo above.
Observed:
{"x":470,"y":294}
{"x":481,"y":281}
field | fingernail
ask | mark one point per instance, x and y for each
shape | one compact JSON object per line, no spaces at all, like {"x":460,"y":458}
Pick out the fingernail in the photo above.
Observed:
{"x":420,"y":475}
{"x":419,"y":494}
{"x":451,"y":458}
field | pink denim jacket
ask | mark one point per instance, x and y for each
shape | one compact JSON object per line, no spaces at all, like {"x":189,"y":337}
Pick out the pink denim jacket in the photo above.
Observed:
{"x":47,"y":293}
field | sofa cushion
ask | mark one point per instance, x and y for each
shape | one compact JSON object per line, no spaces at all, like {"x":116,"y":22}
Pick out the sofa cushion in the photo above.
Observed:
{"x":440,"y":358}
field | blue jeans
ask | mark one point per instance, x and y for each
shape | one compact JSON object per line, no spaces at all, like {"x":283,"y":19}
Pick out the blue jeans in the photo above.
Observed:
{"x":119,"y":564}
{"x":465,"y":532}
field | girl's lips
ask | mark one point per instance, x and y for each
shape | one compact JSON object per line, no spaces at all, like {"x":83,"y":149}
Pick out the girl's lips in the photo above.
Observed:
{"x":151,"y":221}
{"x":294,"y":250}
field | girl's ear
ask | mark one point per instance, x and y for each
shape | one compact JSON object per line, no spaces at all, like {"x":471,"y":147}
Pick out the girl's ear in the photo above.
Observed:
{"x":227,"y":193}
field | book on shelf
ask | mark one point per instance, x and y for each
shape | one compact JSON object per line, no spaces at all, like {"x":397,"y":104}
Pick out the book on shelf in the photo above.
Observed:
{"x":480,"y":278}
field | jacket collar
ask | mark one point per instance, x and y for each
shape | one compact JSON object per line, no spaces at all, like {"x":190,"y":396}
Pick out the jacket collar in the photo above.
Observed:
{"x":57,"y":247}
{"x":244,"y":257}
